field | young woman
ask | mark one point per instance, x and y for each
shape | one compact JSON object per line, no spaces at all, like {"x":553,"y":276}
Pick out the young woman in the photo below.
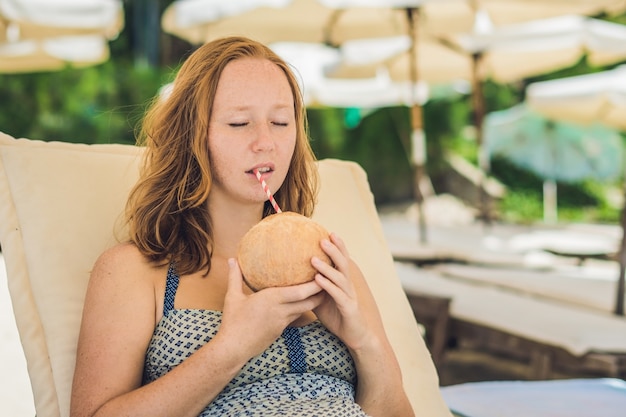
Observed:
{"x":169,"y":327}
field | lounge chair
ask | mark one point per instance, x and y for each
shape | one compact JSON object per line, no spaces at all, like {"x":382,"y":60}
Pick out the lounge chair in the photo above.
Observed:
{"x":60,"y":207}
{"x":549,"y":335}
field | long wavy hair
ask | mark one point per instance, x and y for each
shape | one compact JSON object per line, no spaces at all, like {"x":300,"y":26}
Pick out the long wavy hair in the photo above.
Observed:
{"x":167,"y":214}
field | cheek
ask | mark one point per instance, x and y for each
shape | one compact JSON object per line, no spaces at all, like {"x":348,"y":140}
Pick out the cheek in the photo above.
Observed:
{"x":219,"y":161}
{"x":223,"y":165}
{"x":289,"y":145}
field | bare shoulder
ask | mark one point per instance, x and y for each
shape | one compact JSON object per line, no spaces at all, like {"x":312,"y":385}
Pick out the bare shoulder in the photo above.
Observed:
{"x":120,"y":257}
{"x":125,"y":262}
{"x":123,"y":275}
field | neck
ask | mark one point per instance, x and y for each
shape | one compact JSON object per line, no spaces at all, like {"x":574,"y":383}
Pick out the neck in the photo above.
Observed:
{"x":229,"y":224}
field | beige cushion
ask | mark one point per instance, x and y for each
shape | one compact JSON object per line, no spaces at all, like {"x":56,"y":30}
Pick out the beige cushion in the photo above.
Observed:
{"x":61,"y":206}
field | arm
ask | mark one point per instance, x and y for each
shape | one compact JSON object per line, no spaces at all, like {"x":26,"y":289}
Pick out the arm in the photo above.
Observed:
{"x":119,"y":318}
{"x":351,"y":313}
{"x":118,"y":321}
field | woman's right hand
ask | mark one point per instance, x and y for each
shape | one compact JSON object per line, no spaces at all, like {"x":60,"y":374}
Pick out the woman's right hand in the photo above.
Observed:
{"x":258,"y":319}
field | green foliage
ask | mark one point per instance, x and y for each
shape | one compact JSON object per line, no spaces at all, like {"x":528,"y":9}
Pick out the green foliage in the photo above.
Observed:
{"x":327,"y":131}
{"x":380,"y":142}
{"x":585,"y":201}
{"x":100,"y":104}
{"x":523,"y":207}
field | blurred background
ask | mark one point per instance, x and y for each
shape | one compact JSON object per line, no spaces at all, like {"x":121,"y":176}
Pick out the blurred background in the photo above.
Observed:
{"x":104,"y":103}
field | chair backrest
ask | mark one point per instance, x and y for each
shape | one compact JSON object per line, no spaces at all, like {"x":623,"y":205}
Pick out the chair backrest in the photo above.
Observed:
{"x":61,"y":206}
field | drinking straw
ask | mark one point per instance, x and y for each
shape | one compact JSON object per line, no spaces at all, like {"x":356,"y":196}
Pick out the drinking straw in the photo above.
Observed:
{"x":267,"y":191}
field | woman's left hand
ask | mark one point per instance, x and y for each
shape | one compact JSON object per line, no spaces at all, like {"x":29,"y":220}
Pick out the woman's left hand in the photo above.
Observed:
{"x":348,"y":309}
{"x":340,"y":311}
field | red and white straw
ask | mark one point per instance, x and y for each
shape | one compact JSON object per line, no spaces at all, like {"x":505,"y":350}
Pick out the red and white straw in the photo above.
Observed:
{"x":267,"y":191}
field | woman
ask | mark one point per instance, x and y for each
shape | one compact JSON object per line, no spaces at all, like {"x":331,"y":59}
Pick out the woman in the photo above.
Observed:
{"x":169,"y":327}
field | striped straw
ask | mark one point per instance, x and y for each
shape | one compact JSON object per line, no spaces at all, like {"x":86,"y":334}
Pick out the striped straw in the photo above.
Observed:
{"x":267,"y":191}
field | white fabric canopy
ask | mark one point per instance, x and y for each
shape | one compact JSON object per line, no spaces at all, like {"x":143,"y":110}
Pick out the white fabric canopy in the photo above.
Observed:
{"x":597,"y":97}
{"x":36,"y":19}
{"x":41,"y":35}
{"x":53,"y":54}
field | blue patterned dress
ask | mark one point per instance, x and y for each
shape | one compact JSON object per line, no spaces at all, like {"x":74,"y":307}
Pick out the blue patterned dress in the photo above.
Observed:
{"x":307,"y":371}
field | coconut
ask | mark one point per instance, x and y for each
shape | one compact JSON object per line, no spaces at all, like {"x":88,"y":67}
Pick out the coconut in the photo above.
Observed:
{"x":277,"y":251}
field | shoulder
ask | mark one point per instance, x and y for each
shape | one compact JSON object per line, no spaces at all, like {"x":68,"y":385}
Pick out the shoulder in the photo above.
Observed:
{"x":123,"y":266}
{"x":124,"y":259}
{"x":120,"y":255}
{"x":125,"y":282}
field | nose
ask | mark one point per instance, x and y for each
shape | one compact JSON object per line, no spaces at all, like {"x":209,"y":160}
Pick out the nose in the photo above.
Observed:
{"x":263,"y":140}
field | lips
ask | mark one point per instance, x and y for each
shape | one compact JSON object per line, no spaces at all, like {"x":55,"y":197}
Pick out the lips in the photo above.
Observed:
{"x":262,"y":168}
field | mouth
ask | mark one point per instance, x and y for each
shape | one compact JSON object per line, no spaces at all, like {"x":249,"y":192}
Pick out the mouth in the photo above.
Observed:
{"x":260,"y":170}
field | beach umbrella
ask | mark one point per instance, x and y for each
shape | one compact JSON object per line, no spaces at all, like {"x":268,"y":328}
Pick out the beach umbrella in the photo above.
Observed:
{"x":311,"y":62}
{"x":589,"y":98}
{"x":553,"y":150}
{"x":53,"y":54}
{"x":38,"y":35}
{"x":504,"y":54}
{"x":41,"y":19}
{"x":334,"y":21}
{"x":531,"y":48}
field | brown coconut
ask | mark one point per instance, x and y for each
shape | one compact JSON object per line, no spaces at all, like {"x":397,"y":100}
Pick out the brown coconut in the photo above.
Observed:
{"x":277,"y":251}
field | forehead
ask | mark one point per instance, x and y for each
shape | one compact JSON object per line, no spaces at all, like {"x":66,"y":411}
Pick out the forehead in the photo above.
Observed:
{"x":253,"y":71}
{"x":248,"y":83}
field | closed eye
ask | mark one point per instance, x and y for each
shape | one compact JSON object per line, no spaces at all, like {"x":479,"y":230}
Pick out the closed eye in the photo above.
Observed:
{"x":281,"y":124}
{"x":242,"y":124}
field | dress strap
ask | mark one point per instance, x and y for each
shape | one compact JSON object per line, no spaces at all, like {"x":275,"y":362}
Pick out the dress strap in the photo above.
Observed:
{"x":171,"y":285}
{"x":297,"y":357}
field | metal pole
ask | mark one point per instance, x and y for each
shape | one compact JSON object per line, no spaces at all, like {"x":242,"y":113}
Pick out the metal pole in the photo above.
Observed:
{"x":418,"y":139}
{"x":483,"y":157}
{"x":621,"y":284}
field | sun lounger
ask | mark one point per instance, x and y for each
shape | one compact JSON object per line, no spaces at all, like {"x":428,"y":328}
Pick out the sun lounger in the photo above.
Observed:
{"x":468,"y":243}
{"x":548,"y":334}
{"x":60,"y":207}
{"x":589,"y":286}
{"x":503,"y":245}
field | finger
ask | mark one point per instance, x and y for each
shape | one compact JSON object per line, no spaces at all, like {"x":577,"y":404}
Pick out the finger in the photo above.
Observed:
{"x":334,"y":237}
{"x":295,"y":293}
{"x":309,"y":303}
{"x":339,"y":259}
{"x":339,"y":295}
{"x":325,"y":269}
{"x":336,"y":277}
{"x":235,"y":279}
{"x":291,"y":302}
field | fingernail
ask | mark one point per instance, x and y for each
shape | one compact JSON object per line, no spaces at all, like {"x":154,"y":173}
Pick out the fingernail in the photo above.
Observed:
{"x":231,"y":262}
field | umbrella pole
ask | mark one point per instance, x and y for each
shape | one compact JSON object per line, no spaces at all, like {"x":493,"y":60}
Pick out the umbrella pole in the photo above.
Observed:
{"x":483,"y":157}
{"x":550,"y":212}
{"x":621,"y":284}
{"x":418,"y":139}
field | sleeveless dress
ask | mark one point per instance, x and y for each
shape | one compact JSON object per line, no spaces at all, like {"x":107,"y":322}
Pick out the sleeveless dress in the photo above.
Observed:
{"x":306,"y":372}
